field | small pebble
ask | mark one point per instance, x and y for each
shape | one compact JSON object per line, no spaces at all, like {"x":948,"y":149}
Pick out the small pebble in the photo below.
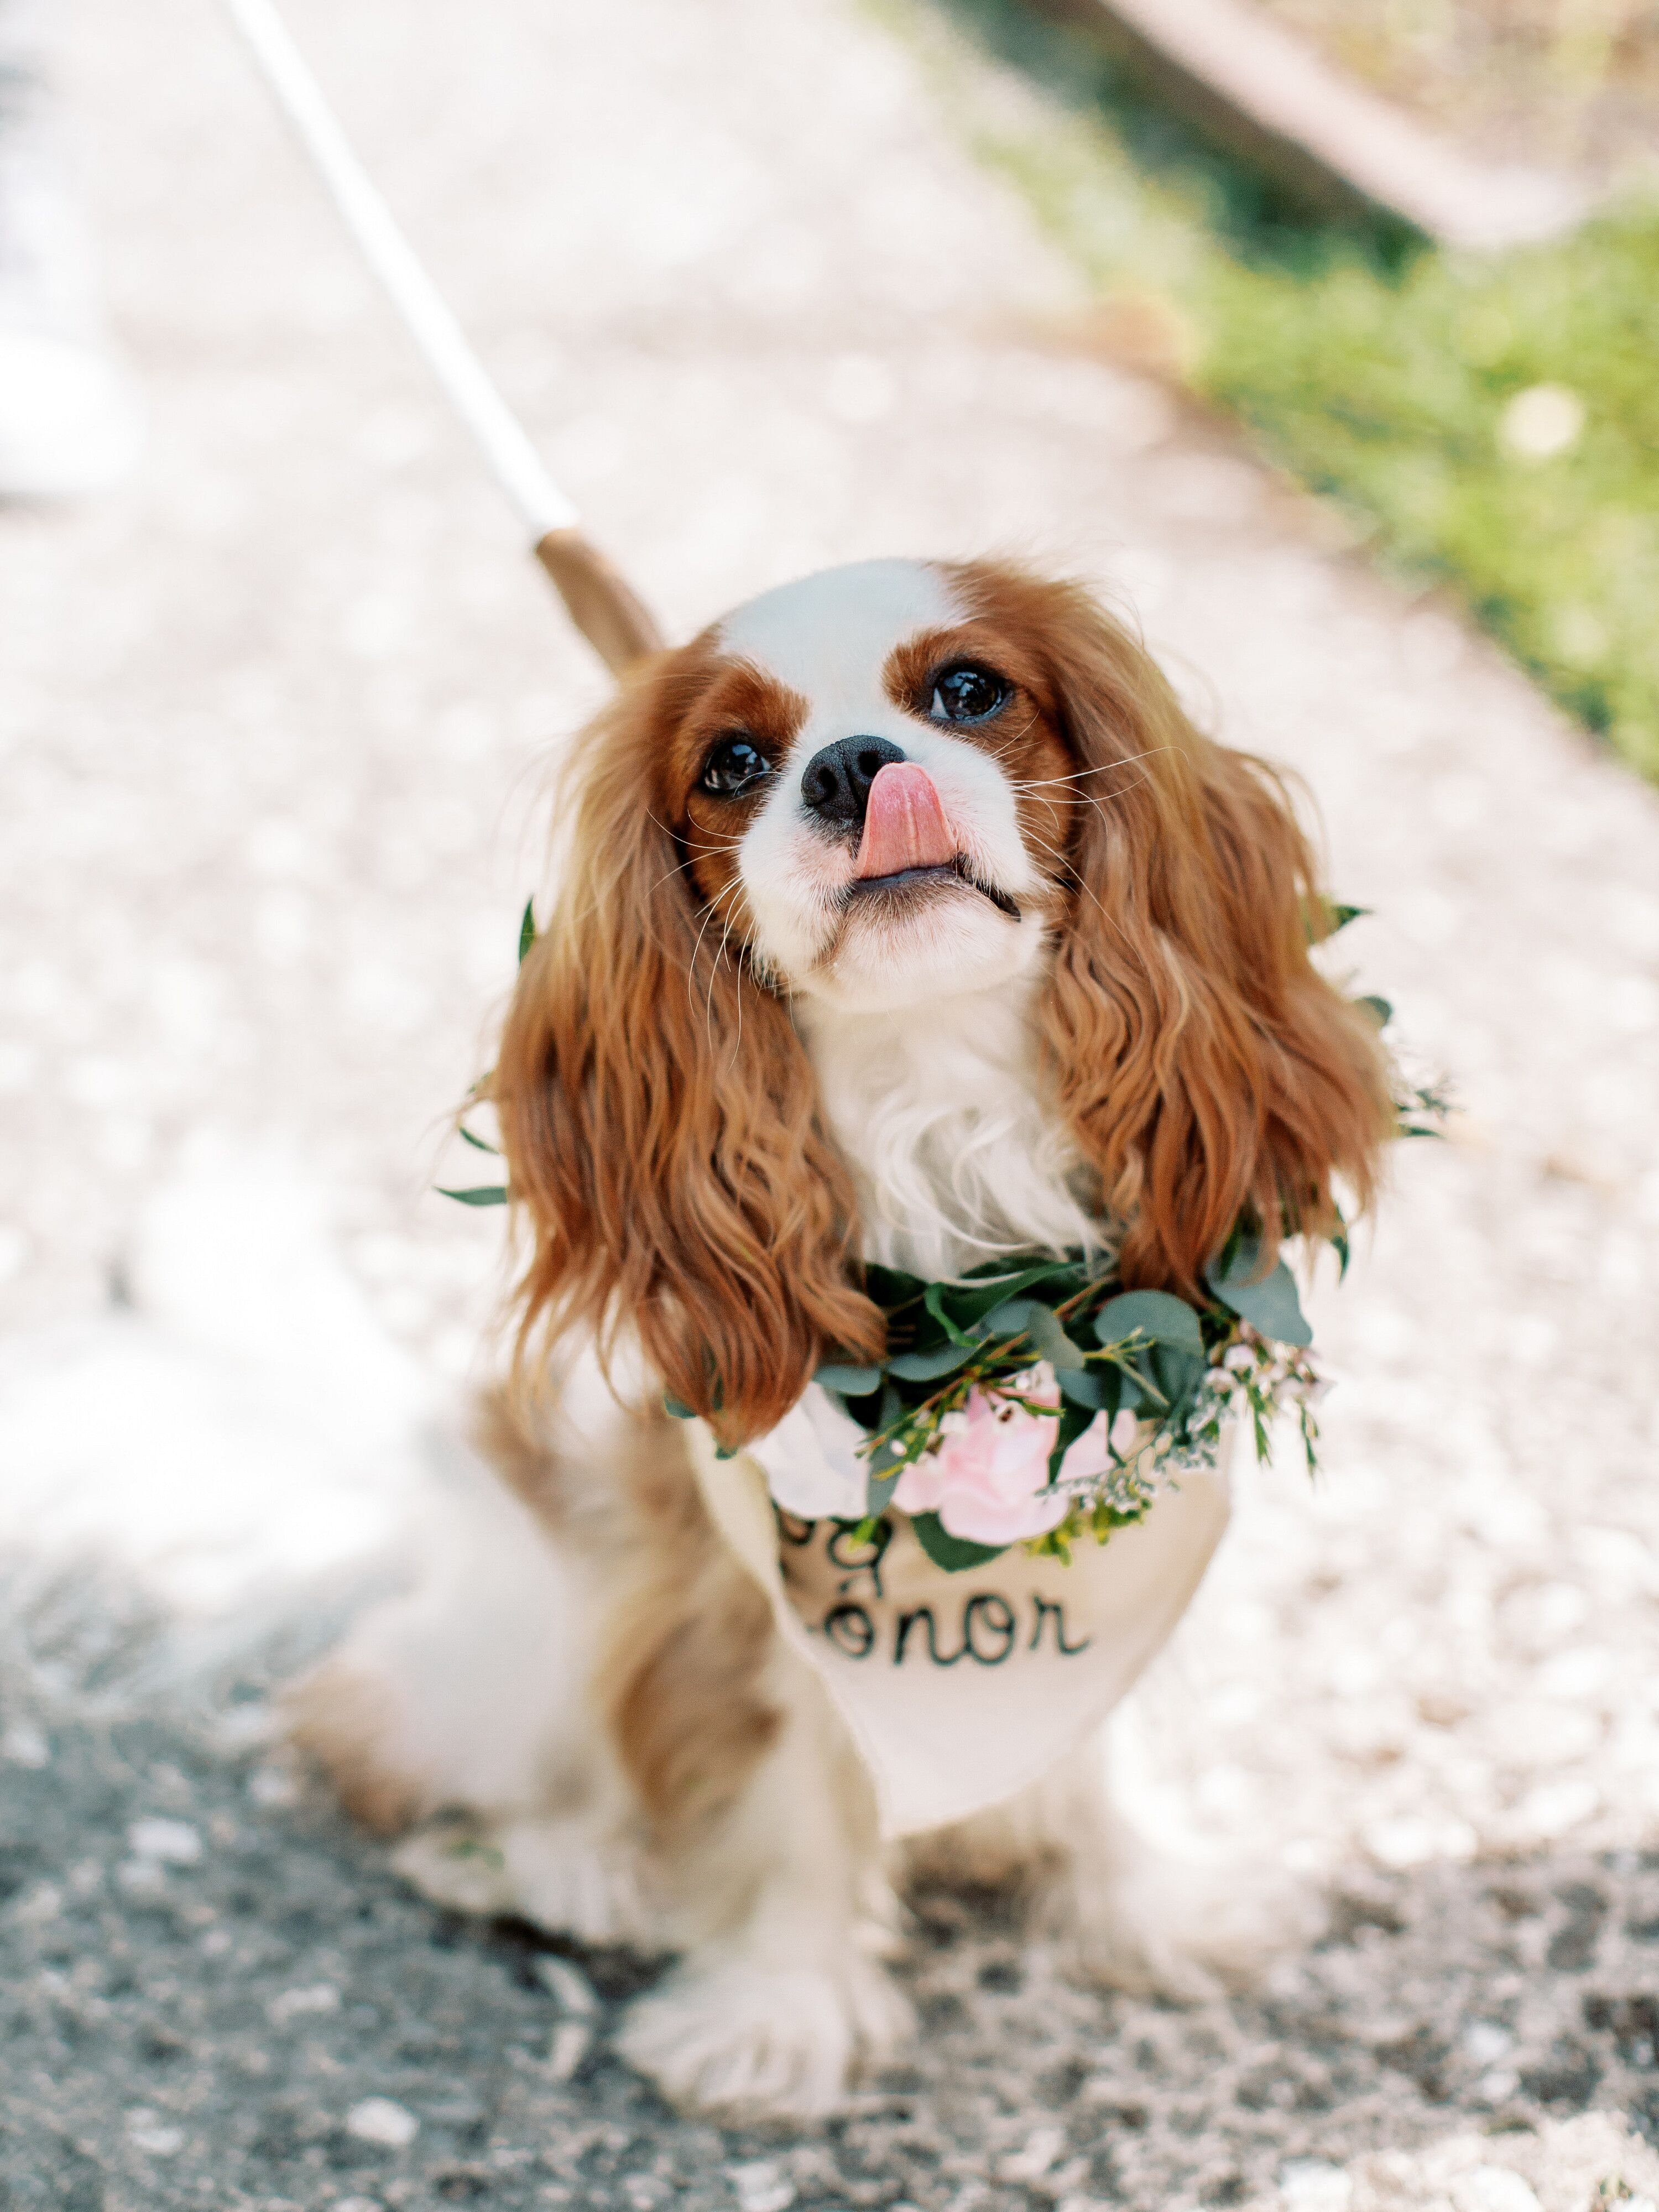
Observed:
{"x":1314,"y":2184}
{"x":38,"y":1906}
{"x":1043,"y":2146}
{"x":274,"y":1786}
{"x":23,"y":1745}
{"x":141,"y":1877}
{"x":569,"y":2047}
{"x":378,"y":2120}
{"x":153,"y":2136}
{"x":1492,"y":2189}
{"x":169,"y":1842}
{"x":761,"y":2186}
{"x":1485,"y":2041}
{"x":321,"y":1997}
{"x":568,"y":1984}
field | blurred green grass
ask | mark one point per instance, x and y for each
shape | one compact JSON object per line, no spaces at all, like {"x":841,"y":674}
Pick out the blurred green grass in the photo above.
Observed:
{"x":1381,"y":371}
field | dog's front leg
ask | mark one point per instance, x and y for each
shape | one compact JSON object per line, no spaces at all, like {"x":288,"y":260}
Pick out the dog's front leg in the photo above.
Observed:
{"x":784,"y":1914}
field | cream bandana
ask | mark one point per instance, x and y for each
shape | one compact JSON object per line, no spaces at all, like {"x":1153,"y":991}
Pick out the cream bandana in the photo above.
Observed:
{"x":960,"y":1689}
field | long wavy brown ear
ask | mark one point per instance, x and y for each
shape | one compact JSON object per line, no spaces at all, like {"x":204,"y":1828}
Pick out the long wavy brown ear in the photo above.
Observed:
{"x":1206,"y":1068}
{"x":659,"y":1117}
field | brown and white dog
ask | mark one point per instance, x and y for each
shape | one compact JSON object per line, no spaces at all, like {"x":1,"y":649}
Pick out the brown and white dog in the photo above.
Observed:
{"x":903,"y":916}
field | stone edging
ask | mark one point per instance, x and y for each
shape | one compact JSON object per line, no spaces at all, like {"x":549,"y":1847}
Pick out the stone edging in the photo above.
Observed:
{"x":1332,"y":144}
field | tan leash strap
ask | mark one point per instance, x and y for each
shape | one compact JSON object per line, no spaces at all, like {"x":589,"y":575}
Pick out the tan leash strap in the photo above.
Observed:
{"x":607,"y":612}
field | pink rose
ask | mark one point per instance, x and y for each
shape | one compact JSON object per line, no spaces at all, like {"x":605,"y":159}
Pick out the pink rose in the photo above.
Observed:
{"x":987,"y":1478}
{"x":1091,"y":1455}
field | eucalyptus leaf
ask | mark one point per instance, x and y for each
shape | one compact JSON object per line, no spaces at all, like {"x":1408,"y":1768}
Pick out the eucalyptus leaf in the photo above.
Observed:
{"x":1088,"y":1386}
{"x":879,"y":1494}
{"x":953,"y":1553}
{"x":1381,"y":1008}
{"x":1240,"y":1258}
{"x":967,"y":1301}
{"x":1160,"y":1317}
{"x":477,"y":1144}
{"x":1040,"y":1324}
{"x":1148,"y":1390}
{"x":847,"y":1381}
{"x":933,"y":1299}
{"x":1179,"y":1371}
{"x":526,"y":929}
{"x":676,"y":1408}
{"x":928,"y":1366}
{"x":890,"y":1287}
{"x":1047,"y":1331}
{"x":493,"y":1194}
{"x":1271,"y":1306}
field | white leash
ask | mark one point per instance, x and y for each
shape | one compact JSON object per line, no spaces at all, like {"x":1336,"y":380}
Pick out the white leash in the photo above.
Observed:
{"x":608,"y":614}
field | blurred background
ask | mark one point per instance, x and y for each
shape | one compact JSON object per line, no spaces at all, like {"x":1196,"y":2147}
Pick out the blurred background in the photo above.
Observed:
{"x":774,"y":288}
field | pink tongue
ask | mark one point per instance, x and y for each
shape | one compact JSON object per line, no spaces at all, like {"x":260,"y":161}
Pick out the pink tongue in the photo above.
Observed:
{"x":904,"y":823}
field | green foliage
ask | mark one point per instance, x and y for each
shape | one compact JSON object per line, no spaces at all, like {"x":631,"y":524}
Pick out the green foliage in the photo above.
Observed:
{"x":953,"y":1553}
{"x":1390,"y":390}
{"x":494,"y":1194}
{"x":1144,"y":1352}
{"x":1377,"y":369}
{"x":1269,"y":1302}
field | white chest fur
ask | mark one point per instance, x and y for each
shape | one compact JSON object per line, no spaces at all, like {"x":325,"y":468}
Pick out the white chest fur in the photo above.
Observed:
{"x":939,"y":1113}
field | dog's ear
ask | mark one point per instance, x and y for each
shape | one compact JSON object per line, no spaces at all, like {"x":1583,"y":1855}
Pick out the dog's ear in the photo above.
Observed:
{"x":659,"y":1116}
{"x":1206,"y":1067}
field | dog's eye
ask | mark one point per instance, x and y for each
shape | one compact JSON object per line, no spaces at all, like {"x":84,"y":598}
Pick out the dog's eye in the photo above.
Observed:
{"x":734,"y":765}
{"x":967,"y":694}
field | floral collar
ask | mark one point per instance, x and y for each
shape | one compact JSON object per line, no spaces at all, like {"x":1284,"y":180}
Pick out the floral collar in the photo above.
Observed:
{"x":1033,"y":1401}
{"x":1040,"y":1402}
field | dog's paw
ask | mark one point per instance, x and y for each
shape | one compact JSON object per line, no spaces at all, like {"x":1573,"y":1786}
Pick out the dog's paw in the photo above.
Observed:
{"x":747,"y":2042}
{"x":558,"y":1874}
{"x":462,"y":1868}
{"x":1185,"y":1930}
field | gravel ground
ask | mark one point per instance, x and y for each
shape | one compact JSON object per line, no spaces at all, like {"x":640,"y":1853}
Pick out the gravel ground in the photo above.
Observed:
{"x":226,"y":2001}
{"x":271,"y":722}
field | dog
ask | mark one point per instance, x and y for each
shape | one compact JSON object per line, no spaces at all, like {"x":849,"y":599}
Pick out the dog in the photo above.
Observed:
{"x":903,"y":917}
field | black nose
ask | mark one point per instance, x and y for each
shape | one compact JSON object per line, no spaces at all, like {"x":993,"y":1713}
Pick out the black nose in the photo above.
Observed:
{"x":835,"y":783}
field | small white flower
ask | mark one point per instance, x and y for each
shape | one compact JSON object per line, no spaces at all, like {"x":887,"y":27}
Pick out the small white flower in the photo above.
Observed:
{"x":1541,"y":421}
{"x":1239,"y":1360}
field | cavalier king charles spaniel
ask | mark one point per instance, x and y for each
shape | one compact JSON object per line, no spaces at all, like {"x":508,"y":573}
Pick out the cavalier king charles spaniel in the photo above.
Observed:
{"x":901,"y":917}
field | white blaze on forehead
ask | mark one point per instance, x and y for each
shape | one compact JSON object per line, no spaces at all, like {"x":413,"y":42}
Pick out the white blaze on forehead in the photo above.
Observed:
{"x":829,"y":635}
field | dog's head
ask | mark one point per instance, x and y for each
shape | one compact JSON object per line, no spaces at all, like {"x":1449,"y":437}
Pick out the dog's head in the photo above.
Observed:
{"x":870,"y":787}
{"x":894,"y":785}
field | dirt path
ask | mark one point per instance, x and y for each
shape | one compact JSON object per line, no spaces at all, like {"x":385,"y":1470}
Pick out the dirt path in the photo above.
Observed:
{"x":271,"y":723}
